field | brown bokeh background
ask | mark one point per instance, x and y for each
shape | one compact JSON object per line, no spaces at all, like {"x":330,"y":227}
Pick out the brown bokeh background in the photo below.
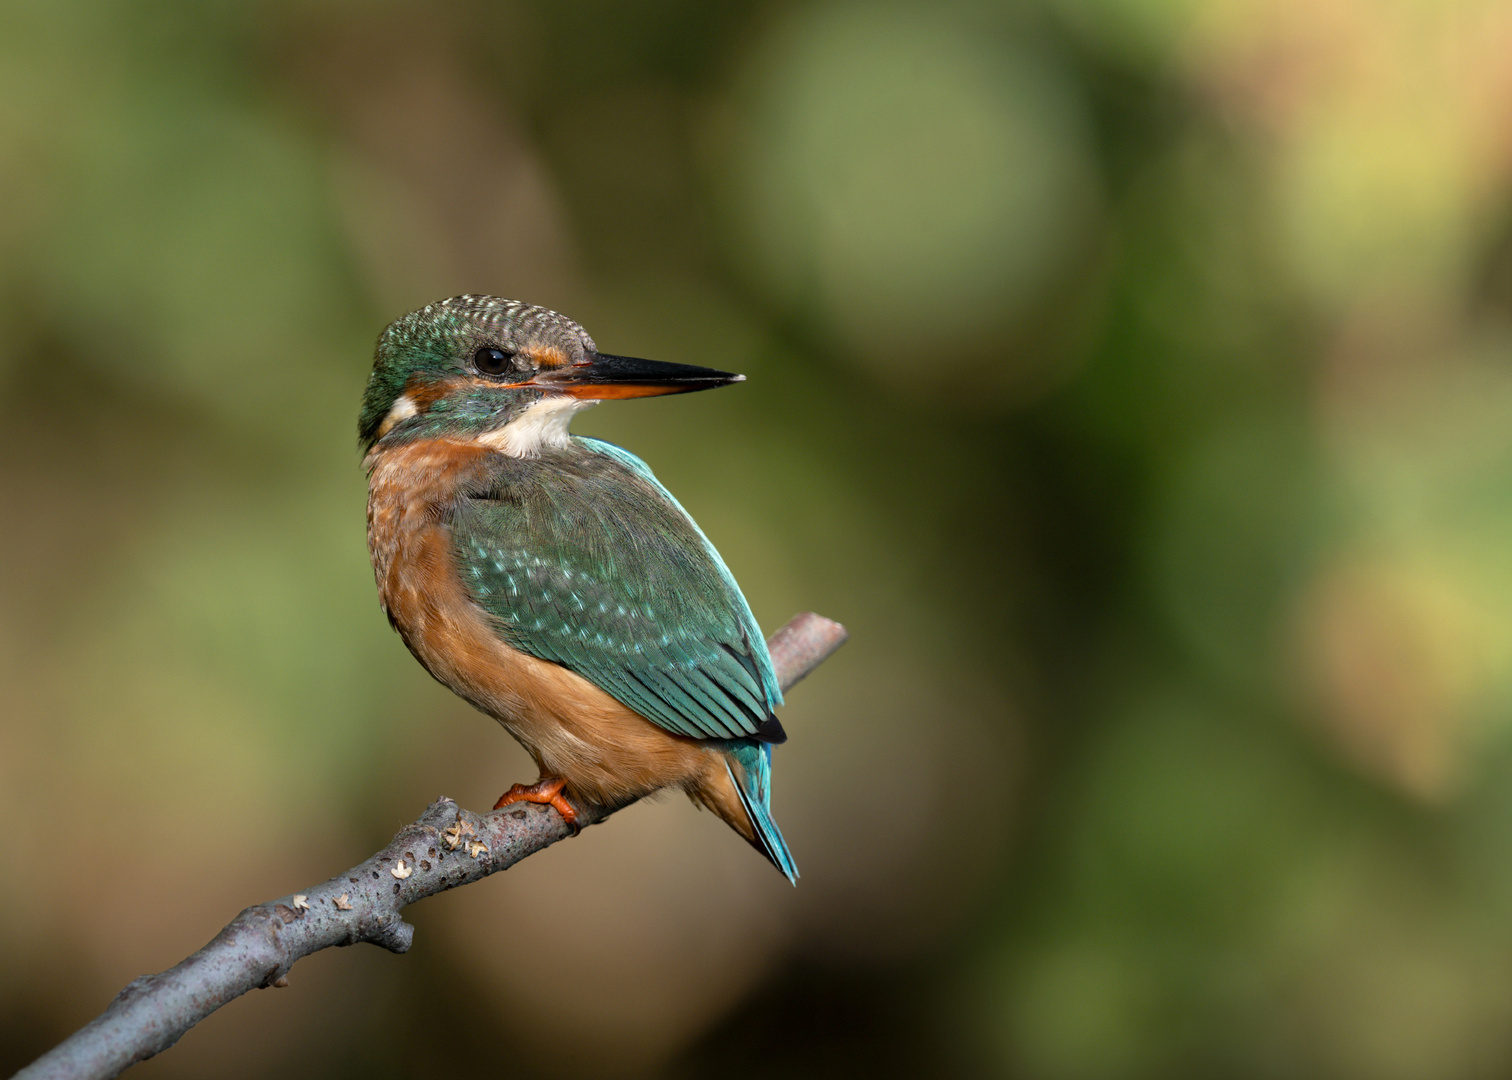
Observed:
{"x":1132,"y":377}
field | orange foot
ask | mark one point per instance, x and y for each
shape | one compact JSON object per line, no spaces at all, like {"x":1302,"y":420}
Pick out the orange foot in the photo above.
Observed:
{"x":545,"y":790}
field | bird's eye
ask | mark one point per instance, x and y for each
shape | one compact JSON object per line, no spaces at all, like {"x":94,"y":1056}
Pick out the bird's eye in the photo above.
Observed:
{"x":492,"y":361}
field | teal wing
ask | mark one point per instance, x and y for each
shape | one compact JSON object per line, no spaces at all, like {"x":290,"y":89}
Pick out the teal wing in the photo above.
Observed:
{"x":582,"y":558}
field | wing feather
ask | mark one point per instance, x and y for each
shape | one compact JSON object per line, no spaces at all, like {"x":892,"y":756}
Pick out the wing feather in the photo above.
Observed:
{"x":583,"y":559}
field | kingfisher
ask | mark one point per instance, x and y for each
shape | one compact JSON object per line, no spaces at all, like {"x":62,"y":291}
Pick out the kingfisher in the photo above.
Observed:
{"x":549,"y":579}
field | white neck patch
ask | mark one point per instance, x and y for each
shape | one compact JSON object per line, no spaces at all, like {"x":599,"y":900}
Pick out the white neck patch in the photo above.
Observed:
{"x":542,"y":425}
{"x":402,"y":410}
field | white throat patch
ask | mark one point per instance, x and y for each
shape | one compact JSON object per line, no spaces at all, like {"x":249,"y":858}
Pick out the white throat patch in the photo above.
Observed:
{"x":542,"y":425}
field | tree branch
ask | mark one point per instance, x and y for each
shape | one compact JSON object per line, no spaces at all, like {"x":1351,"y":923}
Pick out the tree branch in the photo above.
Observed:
{"x":445,"y":848}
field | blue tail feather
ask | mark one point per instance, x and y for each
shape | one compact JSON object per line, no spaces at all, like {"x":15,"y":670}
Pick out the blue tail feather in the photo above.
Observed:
{"x":753,"y":781}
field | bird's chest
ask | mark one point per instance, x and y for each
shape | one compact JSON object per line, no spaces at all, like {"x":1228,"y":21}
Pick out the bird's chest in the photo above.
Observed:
{"x":411,"y":492}
{"x":410,"y":489}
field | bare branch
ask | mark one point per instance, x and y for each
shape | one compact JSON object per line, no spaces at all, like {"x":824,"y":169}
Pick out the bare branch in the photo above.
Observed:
{"x":446,"y":847}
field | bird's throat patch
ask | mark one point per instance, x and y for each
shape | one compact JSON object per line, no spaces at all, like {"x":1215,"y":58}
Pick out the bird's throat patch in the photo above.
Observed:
{"x":542,"y":425}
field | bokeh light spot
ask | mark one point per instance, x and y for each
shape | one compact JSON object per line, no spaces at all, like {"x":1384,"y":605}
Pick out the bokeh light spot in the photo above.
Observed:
{"x":904,"y":181}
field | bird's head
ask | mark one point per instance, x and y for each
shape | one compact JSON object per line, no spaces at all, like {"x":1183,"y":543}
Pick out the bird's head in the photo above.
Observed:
{"x":501,"y":372}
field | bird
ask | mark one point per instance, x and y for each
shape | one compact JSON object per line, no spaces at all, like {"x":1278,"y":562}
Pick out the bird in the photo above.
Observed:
{"x":550,"y":580}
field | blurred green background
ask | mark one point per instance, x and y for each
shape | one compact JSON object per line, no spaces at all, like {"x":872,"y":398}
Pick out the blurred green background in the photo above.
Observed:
{"x":1132,"y":377}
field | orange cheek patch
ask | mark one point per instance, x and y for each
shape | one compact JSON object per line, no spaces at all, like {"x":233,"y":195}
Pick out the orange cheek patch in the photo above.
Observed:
{"x":546,"y":356}
{"x":425,"y":392}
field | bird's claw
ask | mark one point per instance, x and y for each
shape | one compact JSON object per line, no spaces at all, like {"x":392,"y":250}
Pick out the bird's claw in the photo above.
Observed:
{"x":548,"y":792}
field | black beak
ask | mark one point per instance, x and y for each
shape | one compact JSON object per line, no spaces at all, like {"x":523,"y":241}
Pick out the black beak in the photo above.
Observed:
{"x":605,"y":376}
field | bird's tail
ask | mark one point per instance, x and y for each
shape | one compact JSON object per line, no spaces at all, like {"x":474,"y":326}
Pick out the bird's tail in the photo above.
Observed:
{"x":753,"y":782}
